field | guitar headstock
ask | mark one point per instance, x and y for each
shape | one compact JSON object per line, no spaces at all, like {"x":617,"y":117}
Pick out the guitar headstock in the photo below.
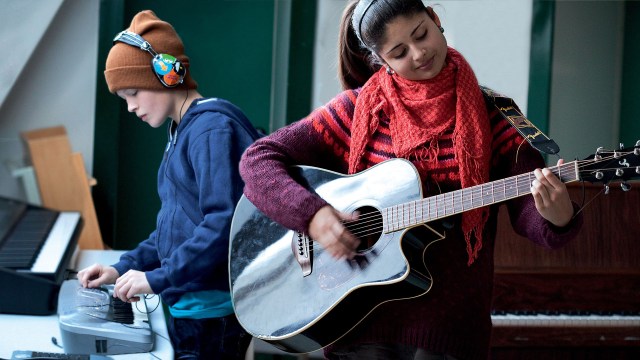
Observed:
{"x":607,"y":166}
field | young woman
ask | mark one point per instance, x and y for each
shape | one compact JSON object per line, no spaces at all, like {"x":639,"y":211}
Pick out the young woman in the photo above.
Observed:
{"x":185,"y":259}
{"x":408,"y":95}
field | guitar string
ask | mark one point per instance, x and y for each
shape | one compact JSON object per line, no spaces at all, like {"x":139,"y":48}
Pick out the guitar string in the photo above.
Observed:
{"x":370,"y":224}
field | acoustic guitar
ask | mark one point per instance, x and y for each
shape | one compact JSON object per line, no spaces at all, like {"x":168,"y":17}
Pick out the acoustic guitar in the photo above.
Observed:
{"x":290,"y":293}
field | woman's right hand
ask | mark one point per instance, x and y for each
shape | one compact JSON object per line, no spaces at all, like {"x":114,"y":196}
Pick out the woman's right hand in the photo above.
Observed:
{"x":327,"y":229}
{"x":96,"y":275}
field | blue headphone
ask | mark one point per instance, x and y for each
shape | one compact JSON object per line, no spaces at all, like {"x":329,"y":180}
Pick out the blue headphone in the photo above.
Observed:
{"x":169,"y":70}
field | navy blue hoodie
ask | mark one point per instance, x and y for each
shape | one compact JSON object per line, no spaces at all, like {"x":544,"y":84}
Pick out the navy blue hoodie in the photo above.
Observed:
{"x":199,"y":186}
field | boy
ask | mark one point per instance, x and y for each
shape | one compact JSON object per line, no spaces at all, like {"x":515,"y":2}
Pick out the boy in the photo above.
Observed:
{"x":185,"y":259}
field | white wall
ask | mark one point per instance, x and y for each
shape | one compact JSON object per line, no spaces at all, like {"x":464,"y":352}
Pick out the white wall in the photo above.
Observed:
{"x":493,"y":35}
{"x":48,"y":77}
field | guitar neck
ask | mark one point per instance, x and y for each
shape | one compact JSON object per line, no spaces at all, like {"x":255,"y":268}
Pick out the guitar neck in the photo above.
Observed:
{"x":402,"y":216}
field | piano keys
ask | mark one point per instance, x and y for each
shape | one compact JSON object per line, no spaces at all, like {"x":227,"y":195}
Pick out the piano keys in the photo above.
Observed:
{"x":578,"y":302}
{"x":565,"y":319}
{"x":36,"y":247}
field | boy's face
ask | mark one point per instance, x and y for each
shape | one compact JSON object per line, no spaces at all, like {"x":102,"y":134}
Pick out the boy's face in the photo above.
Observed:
{"x":151,"y":106}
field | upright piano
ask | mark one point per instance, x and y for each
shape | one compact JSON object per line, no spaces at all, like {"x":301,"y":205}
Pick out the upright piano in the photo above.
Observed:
{"x":578,"y":302}
{"x":36,"y":247}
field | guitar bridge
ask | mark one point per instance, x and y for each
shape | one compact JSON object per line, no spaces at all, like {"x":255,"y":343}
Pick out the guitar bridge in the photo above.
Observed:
{"x":302,"y":247}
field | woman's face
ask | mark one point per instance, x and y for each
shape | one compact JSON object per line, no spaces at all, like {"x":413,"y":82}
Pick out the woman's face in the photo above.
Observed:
{"x":414,"y":47}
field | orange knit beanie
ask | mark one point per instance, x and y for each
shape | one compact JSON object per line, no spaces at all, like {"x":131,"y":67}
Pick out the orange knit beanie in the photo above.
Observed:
{"x":128,"y":67}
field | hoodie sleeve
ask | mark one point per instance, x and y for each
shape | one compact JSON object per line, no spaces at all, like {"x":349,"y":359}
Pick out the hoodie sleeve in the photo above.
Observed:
{"x":143,"y":257}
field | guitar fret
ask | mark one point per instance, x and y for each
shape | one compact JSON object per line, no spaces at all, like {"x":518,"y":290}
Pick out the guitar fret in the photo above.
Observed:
{"x":387,"y":225}
{"x":444,"y":205}
{"x":505,"y":192}
{"x":493,"y":193}
{"x":407,"y":215}
{"x":500,"y":192}
{"x":444,"y":199}
{"x":393,"y":218}
{"x":453,"y":203}
{"x":433,"y":206}
{"x":396,"y":225}
{"x":415,"y":217}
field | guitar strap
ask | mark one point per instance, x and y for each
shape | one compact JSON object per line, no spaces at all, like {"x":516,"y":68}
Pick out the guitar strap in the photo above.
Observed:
{"x":510,"y":111}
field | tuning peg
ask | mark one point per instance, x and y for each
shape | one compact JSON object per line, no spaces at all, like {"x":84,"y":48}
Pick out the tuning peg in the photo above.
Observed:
{"x":638,"y":143}
{"x":616,"y":155}
{"x":599,"y":175}
{"x":619,"y":172}
{"x":606,"y":189}
{"x":637,"y":169}
{"x":625,"y":186}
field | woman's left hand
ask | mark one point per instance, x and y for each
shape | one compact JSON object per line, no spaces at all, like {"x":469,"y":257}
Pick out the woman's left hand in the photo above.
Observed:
{"x":551,"y":197}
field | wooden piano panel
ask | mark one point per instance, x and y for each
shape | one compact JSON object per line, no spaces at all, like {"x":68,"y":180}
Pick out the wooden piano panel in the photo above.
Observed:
{"x":597,"y":271}
{"x":609,"y":238}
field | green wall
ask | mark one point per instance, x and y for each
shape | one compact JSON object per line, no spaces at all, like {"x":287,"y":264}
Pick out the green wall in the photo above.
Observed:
{"x":229,"y":44}
{"x":540,"y":63}
{"x":630,"y":102}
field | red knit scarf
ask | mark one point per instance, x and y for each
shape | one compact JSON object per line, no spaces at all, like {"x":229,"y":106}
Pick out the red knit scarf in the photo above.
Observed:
{"x":420,"y":112}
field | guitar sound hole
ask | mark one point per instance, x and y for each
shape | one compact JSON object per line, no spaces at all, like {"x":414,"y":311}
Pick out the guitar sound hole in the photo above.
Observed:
{"x":368,"y":227}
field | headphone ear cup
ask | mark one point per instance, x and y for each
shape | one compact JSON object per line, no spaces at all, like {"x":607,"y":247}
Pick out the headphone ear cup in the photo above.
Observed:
{"x":169,"y":70}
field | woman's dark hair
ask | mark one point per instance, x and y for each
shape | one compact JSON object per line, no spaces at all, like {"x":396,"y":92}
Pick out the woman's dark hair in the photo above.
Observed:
{"x":358,"y":58}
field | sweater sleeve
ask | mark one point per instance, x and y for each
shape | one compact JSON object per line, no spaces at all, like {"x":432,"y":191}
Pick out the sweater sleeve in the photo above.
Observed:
{"x":265,"y":165}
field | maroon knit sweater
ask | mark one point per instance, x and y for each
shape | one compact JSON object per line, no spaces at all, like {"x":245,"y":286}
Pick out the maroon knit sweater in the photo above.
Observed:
{"x":454,"y":316}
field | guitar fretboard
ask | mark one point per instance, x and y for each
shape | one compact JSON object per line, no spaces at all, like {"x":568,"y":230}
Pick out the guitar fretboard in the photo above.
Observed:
{"x":402,"y":216}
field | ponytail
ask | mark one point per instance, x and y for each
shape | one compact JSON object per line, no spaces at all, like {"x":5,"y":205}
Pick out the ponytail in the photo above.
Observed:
{"x":355,"y":62}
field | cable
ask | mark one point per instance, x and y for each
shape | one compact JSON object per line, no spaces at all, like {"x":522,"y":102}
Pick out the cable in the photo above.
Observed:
{"x":55,"y":342}
{"x":184,"y":102}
